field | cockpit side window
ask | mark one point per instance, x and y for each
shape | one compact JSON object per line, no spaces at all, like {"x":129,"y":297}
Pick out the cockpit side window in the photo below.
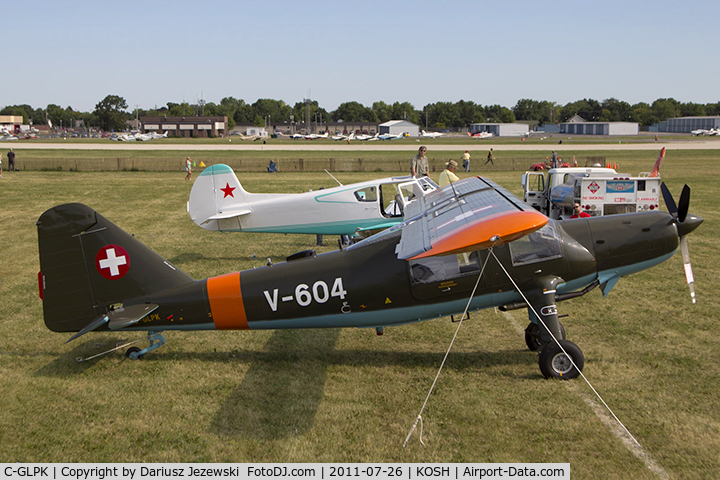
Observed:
{"x":367,"y":194}
{"x":539,"y":246}
{"x":438,"y":269}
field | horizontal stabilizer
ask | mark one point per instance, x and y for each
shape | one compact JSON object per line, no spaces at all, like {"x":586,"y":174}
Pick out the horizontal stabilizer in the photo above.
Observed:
{"x":126,"y":316}
{"x":95,"y":324}
{"x":226,"y":215}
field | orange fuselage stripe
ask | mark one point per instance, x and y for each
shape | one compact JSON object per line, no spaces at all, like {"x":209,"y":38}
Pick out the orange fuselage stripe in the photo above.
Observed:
{"x":226,"y":303}
{"x":481,"y":233}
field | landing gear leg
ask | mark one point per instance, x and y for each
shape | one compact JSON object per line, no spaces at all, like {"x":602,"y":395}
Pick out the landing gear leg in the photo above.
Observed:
{"x":156,"y":341}
{"x":559,"y":358}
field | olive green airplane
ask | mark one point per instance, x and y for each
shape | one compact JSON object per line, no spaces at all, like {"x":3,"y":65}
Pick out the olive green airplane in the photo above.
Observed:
{"x":468,"y":246}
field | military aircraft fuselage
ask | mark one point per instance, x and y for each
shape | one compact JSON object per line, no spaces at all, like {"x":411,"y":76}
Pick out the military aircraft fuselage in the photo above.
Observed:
{"x":366,"y":285}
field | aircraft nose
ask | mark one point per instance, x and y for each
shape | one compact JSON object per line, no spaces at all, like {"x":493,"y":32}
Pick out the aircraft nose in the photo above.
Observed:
{"x":690,"y":223}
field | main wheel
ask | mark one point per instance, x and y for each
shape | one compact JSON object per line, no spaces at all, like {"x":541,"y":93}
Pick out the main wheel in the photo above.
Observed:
{"x":132,"y":350}
{"x":554,"y":363}
{"x":532,"y":336}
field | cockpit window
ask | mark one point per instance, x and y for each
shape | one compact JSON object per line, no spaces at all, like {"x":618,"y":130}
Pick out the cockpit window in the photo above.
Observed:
{"x":367,"y":194}
{"x":437,"y":269}
{"x":541,"y":245}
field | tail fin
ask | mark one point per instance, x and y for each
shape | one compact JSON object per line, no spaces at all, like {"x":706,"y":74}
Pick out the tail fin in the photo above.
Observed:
{"x":88,"y":264}
{"x":656,"y":169}
{"x":217,"y":198}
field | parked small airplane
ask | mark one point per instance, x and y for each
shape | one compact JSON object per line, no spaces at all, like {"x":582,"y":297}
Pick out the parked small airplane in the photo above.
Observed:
{"x":316,"y":136}
{"x":365,"y":137}
{"x":703,"y":132}
{"x":7,"y":137}
{"x":389,"y":136}
{"x":219,"y":202}
{"x":468,"y":246}
{"x":480,"y":135}
{"x":423,"y":133}
{"x":344,"y":137}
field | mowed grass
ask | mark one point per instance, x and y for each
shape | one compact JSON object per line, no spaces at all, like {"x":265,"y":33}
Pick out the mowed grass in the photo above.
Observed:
{"x":349,"y":395}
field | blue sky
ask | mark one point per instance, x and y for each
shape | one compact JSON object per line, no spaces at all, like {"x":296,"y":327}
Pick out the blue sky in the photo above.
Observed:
{"x":74,"y":53}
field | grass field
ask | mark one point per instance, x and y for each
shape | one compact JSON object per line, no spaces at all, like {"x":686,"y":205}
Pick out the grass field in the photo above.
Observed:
{"x":349,"y":395}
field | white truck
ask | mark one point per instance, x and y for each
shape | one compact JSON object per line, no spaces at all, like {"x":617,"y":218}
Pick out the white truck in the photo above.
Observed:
{"x":598,"y":190}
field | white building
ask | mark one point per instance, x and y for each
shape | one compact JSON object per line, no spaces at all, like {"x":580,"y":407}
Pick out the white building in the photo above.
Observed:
{"x":396,"y":127}
{"x":578,"y":126}
{"x":501,"y":129}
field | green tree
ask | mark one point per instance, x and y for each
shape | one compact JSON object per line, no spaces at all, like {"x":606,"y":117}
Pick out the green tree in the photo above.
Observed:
{"x":499,"y":114}
{"x":354,"y":112}
{"x":111,"y":113}
{"x":664,"y":108}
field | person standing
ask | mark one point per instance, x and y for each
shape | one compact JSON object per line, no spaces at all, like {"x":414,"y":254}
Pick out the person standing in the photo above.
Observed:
{"x":490,"y":158}
{"x":188,"y":168}
{"x":466,"y":161}
{"x":578,"y":212}
{"x":419,"y":164}
{"x":448,"y":175}
{"x":11,"y":160}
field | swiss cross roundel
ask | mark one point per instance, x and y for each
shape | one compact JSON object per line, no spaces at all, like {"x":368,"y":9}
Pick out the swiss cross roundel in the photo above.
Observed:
{"x":112,"y":261}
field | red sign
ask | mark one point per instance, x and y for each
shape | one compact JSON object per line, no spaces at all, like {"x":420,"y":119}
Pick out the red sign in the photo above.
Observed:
{"x":112,"y":262}
{"x":593,"y":187}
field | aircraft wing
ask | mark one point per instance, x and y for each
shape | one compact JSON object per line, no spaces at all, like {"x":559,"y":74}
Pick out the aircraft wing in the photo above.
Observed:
{"x":471,"y":214}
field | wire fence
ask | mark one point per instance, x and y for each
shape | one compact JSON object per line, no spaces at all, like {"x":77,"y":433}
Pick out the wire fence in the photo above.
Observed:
{"x":259,"y":164}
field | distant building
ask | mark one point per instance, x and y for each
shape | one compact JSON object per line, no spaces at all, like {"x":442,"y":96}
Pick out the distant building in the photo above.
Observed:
{"x":186,"y":126}
{"x":396,"y":127}
{"x":11,"y":122}
{"x":576,"y":125}
{"x":346,"y":128}
{"x":688,"y":124}
{"x":501,"y":129}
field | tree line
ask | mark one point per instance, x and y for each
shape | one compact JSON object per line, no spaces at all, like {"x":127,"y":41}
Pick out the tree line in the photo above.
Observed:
{"x":111,"y":113}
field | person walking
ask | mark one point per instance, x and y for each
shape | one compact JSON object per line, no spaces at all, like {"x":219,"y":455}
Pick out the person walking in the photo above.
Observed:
{"x":490,"y":158}
{"x":188,"y":168}
{"x":419,"y":164}
{"x":466,"y":161}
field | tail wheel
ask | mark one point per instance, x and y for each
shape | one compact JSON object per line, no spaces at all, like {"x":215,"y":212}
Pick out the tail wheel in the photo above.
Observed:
{"x":554,"y":363}
{"x":135,"y":350}
{"x":532,"y":336}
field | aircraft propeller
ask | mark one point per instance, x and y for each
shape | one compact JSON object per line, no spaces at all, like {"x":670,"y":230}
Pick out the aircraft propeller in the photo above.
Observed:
{"x":685,"y":224}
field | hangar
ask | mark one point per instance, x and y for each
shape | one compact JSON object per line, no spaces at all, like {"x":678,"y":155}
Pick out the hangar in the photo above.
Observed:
{"x":577,"y":125}
{"x":501,"y":129}
{"x":688,"y":124}
{"x":396,"y":127}
{"x":186,"y":126}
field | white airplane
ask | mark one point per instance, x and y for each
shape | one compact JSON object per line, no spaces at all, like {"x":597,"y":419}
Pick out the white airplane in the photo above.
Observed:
{"x":699,"y":132}
{"x":219,"y":202}
{"x":365,"y":137}
{"x":480,"y":135}
{"x":316,"y":136}
{"x":344,"y":137}
{"x":388,"y":136}
{"x":423,"y":133}
{"x":7,"y":137}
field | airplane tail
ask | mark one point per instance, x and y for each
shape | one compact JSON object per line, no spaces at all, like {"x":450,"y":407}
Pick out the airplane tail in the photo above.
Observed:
{"x":217,"y":199}
{"x":656,"y":169}
{"x":88,"y":264}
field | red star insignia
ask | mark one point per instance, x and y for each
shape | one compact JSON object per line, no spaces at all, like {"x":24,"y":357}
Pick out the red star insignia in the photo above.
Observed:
{"x":228,"y":190}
